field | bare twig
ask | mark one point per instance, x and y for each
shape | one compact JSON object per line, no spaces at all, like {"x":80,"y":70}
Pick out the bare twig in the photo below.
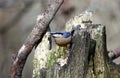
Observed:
{"x":114,"y":53}
{"x":37,"y":33}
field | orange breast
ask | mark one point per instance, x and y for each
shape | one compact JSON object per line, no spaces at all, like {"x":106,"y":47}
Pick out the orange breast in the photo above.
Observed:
{"x":63,"y":41}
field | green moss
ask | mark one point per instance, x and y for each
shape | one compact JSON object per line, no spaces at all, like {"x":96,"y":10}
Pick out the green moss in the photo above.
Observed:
{"x":59,"y":52}
{"x":51,"y":59}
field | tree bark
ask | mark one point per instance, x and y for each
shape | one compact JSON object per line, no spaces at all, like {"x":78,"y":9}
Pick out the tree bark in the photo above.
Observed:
{"x":33,"y":38}
{"x":88,"y":57}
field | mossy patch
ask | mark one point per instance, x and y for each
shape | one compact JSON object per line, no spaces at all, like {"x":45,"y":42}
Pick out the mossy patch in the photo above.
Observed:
{"x":57,"y":53}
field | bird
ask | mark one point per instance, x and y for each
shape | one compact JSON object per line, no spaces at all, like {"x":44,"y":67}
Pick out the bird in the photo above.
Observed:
{"x":62,"y":38}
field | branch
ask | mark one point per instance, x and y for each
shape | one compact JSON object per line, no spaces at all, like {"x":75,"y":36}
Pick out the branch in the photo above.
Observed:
{"x":37,"y":33}
{"x":114,"y":53}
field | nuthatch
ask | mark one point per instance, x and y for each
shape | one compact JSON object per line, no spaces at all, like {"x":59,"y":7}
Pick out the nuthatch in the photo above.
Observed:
{"x":62,"y":38}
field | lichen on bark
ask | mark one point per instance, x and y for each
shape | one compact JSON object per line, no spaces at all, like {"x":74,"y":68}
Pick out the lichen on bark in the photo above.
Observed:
{"x":87,"y":56}
{"x":45,"y":57}
{"x":59,"y":54}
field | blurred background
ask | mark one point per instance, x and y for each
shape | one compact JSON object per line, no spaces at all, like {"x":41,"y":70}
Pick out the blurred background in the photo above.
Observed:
{"x":18,"y":17}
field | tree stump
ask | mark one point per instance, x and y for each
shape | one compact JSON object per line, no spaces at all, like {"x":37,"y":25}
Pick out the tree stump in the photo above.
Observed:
{"x":87,"y":57}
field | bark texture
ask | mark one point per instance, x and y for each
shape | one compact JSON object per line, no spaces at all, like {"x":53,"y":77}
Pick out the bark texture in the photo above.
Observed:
{"x":87,"y":58}
{"x":33,"y":38}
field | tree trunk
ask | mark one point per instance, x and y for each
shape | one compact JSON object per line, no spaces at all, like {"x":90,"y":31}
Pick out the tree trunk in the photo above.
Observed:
{"x":87,"y":57}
